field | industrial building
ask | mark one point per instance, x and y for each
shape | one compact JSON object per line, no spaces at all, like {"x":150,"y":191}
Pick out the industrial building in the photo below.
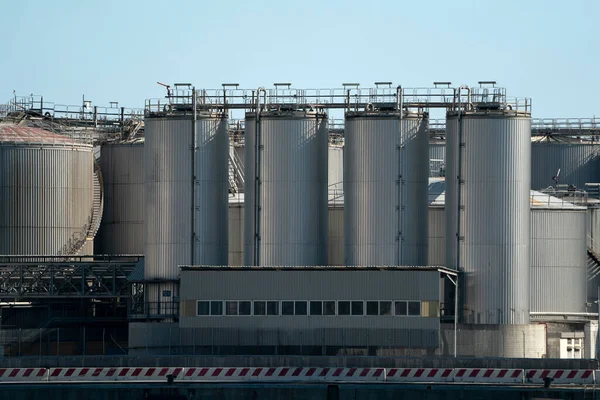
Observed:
{"x":288,"y":233}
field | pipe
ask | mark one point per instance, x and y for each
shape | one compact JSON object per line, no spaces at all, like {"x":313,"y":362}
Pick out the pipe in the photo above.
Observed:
{"x":257,"y":183}
{"x":194,"y":144}
{"x":400,"y":173}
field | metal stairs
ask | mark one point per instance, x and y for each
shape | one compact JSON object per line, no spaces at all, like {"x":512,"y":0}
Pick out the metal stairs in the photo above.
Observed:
{"x":236,"y":172}
{"x":593,"y":264}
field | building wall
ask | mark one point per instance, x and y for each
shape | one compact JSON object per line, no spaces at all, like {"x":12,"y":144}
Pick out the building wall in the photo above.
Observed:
{"x":313,"y":330}
{"x":236,"y":233}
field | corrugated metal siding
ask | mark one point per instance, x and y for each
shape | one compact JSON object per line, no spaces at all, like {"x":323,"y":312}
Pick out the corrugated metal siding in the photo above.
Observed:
{"x":45,"y":197}
{"x":376,"y":155}
{"x":335,"y":237}
{"x":578,"y":163}
{"x":122,"y":228}
{"x":168,"y":184}
{"x":558,"y":261}
{"x":335,"y":175}
{"x":293,"y":199}
{"x":437,"y":151}
{"x":437,"y":236}
{"x":236,"y":234}
{"x":495,"y":217}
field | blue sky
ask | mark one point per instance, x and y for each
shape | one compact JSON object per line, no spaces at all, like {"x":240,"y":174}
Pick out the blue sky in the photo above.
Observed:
{"x":117,"y":50}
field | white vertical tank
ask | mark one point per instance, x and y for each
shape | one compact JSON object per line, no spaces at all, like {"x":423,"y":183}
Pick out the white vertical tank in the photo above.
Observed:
{"x":493,"y":229}
{"x":286,"y":196}
{"x":386,"y":170}
{"x":186,"y":189}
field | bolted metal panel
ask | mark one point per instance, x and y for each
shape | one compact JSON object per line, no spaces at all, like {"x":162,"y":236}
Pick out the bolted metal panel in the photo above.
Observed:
{"x":46,"y":195}
{"x":170,"y":223}
{"x":494,"y":214}
{"x":293,"y":189}
{"x":579,"y":163}
{"x":122,"y":228}
{"x":437,"y":235}
{"x":385,"y":189}
{"x":558,"y":260}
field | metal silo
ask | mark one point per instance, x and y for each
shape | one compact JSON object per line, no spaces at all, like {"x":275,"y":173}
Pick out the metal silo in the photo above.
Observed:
{"x":386,"y":168}
{"x":578,"y":161}
{"x":122,"y":227}
{"x":186,"y":189}
{"x":558,"y":256}
{"x":493,"y":166}
{"x":46,"y":193}
{"x":286,"y":196}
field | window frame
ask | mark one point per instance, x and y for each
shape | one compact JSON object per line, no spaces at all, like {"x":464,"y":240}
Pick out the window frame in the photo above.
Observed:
{"x":198,"y":303}
{"x":337,"y":308}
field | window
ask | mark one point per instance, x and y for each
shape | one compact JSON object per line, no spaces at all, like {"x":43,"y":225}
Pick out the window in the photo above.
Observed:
{"x":385,"y":308}
{"x":401,"y":308}
{"x":202,"y":308}
{"x":300,"y":308}
{"x":231,"y":308}
{"x":372,"y":308}
{"x":245,"y":308}
{"x":316,"y":308}
{"x":260,"y":308}
{"x":287,"y":308}
{"x":216,"y":308}
{"x":272,"y":308}
{"x":357,"y":308}
{"x":329,"y":308}
{"x":414,"y":308}
{"x":343,"y":308}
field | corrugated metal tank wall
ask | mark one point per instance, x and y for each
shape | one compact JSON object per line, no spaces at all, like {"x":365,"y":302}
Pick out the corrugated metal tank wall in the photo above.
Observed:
{"x":335,"y":174}
{"x":45,"y":196}
{"x":378,"y":156}
{"x":437,"y":157}
{"x":293,"y":189}
{"x":579,"y":163}
{"x":437,"y":235}
{"x":122,"y":227}
{"x":558,"y":260}
{"x":495,"y":214}
{"x":168,"y":194}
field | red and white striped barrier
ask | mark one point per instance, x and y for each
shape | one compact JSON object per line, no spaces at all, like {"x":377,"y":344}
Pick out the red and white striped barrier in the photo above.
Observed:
{"x":419,"y":374}
{"x":558,"y":376}
{"x":488,"y":375}
{"x":284,"y":374}
{"x":113,"y":374}
{"x":23,"y":374}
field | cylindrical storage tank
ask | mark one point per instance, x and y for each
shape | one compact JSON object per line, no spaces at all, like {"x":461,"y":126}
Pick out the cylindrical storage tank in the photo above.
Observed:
{"x":494,"y":229}
{"x":186,"y":188}
{"x":285,"y":221}
{"x":437,"y":158}
{"x":558,"y":256}
{"x":46,"y":192}
{"x":335,"y":172}
{"x":122,"y":227}
{"x":578,"y":161}
{"x":386,"y":168}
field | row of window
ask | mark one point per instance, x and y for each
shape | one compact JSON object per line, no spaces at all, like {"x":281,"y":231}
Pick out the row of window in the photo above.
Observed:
{"x":304,"y":307}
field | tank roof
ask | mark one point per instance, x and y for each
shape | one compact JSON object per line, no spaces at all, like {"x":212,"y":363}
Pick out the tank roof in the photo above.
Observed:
{"x":17,"y":134}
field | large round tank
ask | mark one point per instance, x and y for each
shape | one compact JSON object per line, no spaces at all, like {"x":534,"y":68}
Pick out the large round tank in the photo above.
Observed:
{"x":46,"y":192}
{"x":558,"y":255}
{"x":122,"y":227}
{"x":292,"y":195}
{"x":578,"y":161}
{"x":185,"y":227}
{"x":386,"y":169}
{"x":494,"y":229}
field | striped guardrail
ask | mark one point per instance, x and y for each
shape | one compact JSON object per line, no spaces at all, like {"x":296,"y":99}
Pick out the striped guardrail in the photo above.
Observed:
{"x":304,"y":374}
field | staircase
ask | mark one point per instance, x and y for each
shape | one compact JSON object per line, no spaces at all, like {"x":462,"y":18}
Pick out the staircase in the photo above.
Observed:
{"x":593,"y":260}
{"x":236,"y":172}
{"x":89,"y":230}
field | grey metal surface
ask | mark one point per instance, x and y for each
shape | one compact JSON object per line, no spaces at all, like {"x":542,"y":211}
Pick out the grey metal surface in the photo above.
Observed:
{"x":437,"y":157}
{"x":437,"y":235}
{"x":236,"y":233}
{"x":494,"y":214}
{"x":335,"y":236}
{"x":384,"y":223}
{"x":335,"y":171}
{"x":46,"y":196}
{"x":579,"y":163}
{"x":122,"y":228}
{"x":293,"y":189}
{"x":168,"y":194}
{"x":558,"y":261}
